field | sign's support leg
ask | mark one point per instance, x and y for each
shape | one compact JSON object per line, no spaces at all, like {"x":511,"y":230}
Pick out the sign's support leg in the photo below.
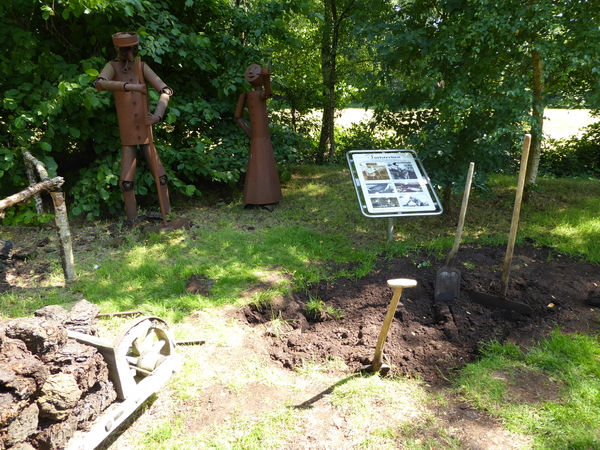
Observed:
{"x":390,"y":229}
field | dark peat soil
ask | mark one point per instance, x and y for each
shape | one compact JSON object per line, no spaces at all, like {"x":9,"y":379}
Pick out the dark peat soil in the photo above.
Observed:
{"x":429,"y":339}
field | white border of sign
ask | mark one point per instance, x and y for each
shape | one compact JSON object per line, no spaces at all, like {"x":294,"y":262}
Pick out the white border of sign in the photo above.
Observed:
{"x":392,"y":183}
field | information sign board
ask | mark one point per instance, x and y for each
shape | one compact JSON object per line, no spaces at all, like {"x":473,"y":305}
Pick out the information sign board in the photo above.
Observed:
{"x":392,"y":183}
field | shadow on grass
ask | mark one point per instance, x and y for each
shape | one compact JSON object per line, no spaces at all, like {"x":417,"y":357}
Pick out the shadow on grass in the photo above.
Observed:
{"x":308,"y":404}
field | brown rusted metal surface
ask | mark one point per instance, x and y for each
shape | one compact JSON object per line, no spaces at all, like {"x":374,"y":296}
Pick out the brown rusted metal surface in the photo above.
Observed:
{"x":127,"y":78}
{"x":262,"y":185}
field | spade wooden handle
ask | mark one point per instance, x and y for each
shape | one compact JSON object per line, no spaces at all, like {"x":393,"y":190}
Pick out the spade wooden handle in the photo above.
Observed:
{"x":463,"y":213}
{"x":514,"y":224}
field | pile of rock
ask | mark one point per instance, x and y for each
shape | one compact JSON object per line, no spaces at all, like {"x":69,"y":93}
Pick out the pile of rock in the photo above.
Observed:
{"x":50,"y":385}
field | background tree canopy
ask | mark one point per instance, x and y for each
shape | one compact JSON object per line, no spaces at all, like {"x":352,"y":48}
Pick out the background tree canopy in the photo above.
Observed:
{"x":479,"y":73}
{"x":453,"y":79}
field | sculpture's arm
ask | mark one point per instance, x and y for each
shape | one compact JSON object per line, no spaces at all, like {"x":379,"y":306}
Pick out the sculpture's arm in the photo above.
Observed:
{"x":104,"y":82}
{"x":239,"y":112}
{"x":165,"y":95}
{"x":268,"y":92}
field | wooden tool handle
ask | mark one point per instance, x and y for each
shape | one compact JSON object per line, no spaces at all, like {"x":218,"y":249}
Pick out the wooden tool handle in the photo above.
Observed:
{"x":398,"y":284}
{"x":461,"y":217}
{"x":515,"y":218}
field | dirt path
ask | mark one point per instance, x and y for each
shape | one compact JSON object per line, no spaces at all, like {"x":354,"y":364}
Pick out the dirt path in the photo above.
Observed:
{"x":321,"y":424}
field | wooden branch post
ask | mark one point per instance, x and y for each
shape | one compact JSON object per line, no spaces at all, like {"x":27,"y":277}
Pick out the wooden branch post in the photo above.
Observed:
{"x":52,"y":185}
{"x":64,"y":234}
{"x":30,"y":170}
{"x":20,"y":197}
{"x":60,"y":217}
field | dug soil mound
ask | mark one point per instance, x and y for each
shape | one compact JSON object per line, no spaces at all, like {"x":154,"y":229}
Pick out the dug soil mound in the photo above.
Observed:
{"x":430,"y":339}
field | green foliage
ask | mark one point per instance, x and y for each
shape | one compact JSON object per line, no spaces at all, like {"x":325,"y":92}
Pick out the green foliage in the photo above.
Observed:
{"x":25,"y":215}
{"x":290,"y":147}
{"x":318,"y":311}
{"x":295,"y":65}
{"x":574,"y":157}
{"x":200,"y":49}
{"x":365,"y":136}
{"x":464,"y":68}
{"x":98,"y":186}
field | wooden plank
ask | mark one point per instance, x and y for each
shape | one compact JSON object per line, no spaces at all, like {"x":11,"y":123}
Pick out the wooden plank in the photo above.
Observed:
{"x":119,"y":371}
{"x":117,"y":413}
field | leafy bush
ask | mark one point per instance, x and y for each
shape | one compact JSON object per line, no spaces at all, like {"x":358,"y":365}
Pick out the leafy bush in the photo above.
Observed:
{"x":200,"y":49}
{"x":574,"y":157}
{"x":365,"y":136}
{"x":446,"y":145}
{"x":25,"y":214}
{"x":221,"y":157}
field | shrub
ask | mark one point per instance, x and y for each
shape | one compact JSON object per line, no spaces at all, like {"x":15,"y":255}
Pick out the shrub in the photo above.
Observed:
{"x":574,"y":157}
{"x":364,"y":136}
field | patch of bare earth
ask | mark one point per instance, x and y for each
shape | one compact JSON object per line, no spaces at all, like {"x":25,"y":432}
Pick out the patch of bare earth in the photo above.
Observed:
{"x":221,"y":404}
{"x":427,"y":341}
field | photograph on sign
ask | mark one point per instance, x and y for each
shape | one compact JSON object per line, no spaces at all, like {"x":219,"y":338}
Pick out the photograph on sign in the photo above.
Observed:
{"x":392,"y":182}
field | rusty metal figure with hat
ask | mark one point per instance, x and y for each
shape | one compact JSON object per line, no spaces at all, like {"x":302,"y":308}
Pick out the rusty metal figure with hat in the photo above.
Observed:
{"x":127,"y":78}
{"x":262,"y":185}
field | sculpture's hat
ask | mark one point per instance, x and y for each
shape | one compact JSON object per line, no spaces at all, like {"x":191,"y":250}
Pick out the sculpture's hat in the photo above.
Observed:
{"x":125,"y":39}
{"x":252,"y":72}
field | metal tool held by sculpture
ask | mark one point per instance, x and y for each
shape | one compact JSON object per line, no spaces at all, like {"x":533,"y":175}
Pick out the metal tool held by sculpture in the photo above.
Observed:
{"x":167,"y":226}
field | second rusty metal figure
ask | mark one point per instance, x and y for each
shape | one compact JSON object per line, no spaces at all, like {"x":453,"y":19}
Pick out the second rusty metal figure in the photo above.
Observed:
{"x":262,"y":185}
{"x":127,"y":79}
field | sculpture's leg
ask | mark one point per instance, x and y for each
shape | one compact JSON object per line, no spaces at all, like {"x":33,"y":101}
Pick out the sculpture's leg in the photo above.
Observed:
{"x":127,"y":179}
{"x":151,"y":155}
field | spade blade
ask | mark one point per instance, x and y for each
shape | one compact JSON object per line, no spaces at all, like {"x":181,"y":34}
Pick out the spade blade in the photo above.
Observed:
{"x":492,"y":301}
{"x":447,"y":284}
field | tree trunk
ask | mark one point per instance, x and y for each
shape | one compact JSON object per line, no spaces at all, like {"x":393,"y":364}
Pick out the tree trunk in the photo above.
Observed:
{"x":294,"y":120}
{"x":64,"y":235}
{"x":328,"y":71}
{"x":535,"y":151}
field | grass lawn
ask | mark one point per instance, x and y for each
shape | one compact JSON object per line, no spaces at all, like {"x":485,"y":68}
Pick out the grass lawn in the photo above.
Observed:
{"x":230,"y":395}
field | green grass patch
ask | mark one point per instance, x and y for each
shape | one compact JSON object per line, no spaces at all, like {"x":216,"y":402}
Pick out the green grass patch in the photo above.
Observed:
{"x":318,"y":310}
{"x":318,"y":233}
{"x":550,"y":392}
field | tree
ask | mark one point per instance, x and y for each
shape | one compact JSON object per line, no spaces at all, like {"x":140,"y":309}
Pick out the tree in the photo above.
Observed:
{"x":467,"y":67}
{"x":562,"y":61}
{"x":53,"y":51}
{"x":340,"y":44}
{"x":295,"y":64}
